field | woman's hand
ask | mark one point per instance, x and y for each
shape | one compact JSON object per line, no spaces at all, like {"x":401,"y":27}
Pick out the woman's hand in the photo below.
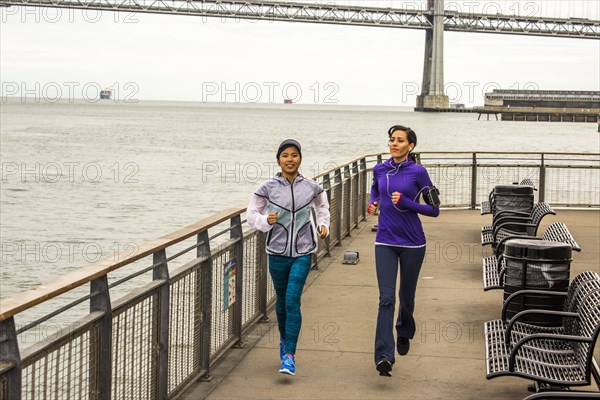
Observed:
{"x":396,"y":197}
{"x":322,"y":231}
{"x":272,"y":218}
{"x":372,"y":208}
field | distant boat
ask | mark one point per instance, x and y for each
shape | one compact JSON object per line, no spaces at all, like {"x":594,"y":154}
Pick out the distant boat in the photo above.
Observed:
{"x":287,"y":101}
{"x":105,"y":94}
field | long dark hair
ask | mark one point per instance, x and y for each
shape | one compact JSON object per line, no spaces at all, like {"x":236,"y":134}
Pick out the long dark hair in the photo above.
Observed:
{"x":411,"y":136}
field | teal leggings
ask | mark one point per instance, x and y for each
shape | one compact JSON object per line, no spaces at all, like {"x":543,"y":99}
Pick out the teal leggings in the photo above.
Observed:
{"x":289,"y":275}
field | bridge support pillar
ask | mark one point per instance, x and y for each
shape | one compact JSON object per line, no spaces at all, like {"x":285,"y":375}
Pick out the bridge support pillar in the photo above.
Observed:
{"x":432,"y":90}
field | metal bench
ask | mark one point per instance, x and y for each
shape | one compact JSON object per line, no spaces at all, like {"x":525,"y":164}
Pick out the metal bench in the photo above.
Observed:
{"x":528,"y":182}
{"x":487,"y":206}
{"x":517,"y":216}
{"x":493,"y":267}
{"x":561,"y":356}
{"x":515,"y":224}
{"x":563,"y":395}
{"x":511,"y":332}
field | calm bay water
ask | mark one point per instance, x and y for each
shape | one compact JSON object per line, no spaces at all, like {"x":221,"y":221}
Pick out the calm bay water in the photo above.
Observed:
{"x":82,"y":180}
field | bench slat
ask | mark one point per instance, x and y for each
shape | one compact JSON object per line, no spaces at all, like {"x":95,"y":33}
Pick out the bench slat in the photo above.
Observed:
{"x":491,"y":274}
{"x":486,"y":207}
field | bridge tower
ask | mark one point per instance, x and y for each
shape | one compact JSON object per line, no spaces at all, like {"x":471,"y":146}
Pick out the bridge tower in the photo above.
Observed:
{"x":432,"y":89}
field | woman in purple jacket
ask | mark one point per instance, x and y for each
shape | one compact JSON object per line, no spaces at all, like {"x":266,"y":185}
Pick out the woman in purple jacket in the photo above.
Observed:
{"x":397,"y":185}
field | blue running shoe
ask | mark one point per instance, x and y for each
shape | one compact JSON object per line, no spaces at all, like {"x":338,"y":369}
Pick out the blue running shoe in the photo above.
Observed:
{"x":281,"y":348}
{"x":288,"y":365}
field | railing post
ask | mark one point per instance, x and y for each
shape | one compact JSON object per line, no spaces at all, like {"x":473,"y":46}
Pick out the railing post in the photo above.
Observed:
{"x":327,"y":188}
{"x":203,"y":295}
{"x":237,"y":233}
{"x":355,"y":193}
{"x":474,"y":182}
{"x":101,"y":374}
{"x":337,"y":179}
{"x":542,"y":188}
{"x":161,"y":272}
{"x":363,"y":179}
{"x":347,"y":201}
{"x":264,"y":276}
{"x":9,"y":354}
{"x":314,"y":261}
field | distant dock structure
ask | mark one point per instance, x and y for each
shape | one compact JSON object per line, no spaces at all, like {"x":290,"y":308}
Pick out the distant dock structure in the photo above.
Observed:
{"x":542,"y":105}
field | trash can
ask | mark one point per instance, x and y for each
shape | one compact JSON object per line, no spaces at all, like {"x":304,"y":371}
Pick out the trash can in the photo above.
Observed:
{"x":538,"y":265}
{"x":513,"y":198}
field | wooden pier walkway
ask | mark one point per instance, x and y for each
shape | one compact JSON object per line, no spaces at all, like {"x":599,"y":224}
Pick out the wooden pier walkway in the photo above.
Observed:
{"x":335,"y":351}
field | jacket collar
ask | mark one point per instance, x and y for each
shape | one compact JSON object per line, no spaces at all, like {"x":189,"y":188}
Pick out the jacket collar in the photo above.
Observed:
{"x":390,"y":164}
{"x":283,"y":180}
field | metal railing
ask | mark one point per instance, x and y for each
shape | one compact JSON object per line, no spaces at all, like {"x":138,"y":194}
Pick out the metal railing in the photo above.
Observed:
{"x":192,"y":296}
{"x":194,"y":293}
{"x":561,"y":179}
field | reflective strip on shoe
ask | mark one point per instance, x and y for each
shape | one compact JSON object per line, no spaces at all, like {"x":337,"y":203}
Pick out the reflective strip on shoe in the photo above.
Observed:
{"x":384,"y":367}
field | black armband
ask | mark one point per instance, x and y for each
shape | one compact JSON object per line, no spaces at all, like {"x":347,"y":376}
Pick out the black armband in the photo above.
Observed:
{"x":432,"y":196}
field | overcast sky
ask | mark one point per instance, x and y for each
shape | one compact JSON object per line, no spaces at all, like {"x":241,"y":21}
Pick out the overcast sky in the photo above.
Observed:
{"x":51,"y":53}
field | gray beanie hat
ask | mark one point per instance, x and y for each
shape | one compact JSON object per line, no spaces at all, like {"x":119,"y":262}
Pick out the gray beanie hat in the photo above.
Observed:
{"x":287,"y":143}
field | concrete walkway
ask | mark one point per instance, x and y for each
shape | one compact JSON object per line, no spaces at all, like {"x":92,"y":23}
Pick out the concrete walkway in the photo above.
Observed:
{"x":339,"y":305}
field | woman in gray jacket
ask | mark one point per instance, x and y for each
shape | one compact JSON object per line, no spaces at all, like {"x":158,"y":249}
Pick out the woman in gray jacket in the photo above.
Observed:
{"x":283,"y":207}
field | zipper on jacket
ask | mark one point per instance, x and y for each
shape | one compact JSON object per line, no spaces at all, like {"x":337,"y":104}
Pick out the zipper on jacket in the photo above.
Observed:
{"x":293,"y":216}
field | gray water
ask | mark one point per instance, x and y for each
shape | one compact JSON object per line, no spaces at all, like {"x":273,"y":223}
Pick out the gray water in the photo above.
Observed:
{"x":83,"y":180}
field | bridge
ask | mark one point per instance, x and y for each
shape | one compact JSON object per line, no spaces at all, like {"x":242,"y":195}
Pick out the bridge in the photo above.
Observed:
{"x":435,"y":19}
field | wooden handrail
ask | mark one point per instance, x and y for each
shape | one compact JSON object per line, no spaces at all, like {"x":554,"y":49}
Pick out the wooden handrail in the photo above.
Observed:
{"x":62,"y":284}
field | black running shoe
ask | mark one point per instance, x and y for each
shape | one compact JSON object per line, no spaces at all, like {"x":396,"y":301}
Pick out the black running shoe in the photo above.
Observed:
{"x":384,"y":366}
{"x":403,"y":345}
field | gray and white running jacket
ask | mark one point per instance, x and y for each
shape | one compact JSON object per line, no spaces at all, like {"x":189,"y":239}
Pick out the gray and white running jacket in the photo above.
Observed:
{"x":295,"y":233}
